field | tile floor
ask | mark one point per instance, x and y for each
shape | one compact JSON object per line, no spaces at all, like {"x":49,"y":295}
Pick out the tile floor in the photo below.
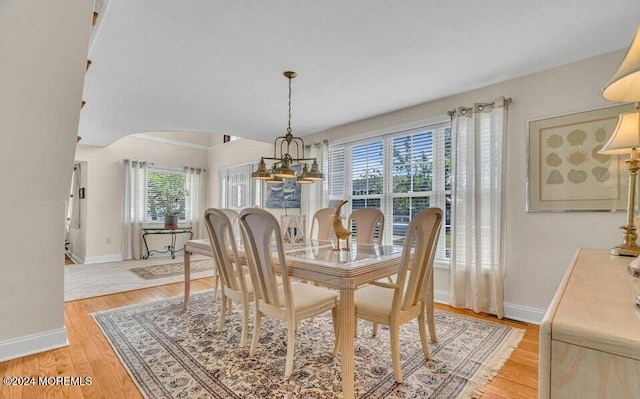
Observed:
{"x":86,"y":281}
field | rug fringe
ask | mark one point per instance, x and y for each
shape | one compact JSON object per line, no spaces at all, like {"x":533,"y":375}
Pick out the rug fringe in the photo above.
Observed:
{"x":491,"y":367}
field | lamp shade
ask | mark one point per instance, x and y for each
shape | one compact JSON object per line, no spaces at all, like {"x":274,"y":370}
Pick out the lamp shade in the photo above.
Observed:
{"x":625,"y":84}
{"x":626,"y":136}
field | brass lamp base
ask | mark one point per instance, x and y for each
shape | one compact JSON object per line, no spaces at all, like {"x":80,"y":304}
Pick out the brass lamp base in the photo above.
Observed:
{"x":628,"y":247}
{"x":626,"y":250}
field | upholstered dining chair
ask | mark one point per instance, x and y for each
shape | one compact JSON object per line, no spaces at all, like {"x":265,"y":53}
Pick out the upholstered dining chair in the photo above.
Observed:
{"x":321,"y":224}
{"x":290,"y":302}
{"x":366,"y":220}
{"x":396,"y":303}
{"x":235,"y":284}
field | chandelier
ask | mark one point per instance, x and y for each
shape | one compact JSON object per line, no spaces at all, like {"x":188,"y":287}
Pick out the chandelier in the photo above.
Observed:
{"x":283,"y":161}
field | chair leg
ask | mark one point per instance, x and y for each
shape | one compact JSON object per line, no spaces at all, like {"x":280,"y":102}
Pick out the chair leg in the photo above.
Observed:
{"x":291,"y":343}
{"x":395,"y":352}
{"x":256,"y":333}
{"x":216,"y":283}
{"x":336,"y":333}
{"x":374,"y":330}
{"x":245,"y":324}
{"x":431,"y":320}
{"x":223,"y":313}
{"x":423,"y":337}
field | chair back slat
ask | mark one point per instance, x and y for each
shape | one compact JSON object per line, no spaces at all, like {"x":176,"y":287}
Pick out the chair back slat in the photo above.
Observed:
{"x":221,"y":237}
{"x":416,"y":268}
{"x":368,"y":222}
{"x":260,"y":230}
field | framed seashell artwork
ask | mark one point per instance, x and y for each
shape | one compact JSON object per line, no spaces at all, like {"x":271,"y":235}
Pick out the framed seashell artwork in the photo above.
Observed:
{"x":566,"y":172}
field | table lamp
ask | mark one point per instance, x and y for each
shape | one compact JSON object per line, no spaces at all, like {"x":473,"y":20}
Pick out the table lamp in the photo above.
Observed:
{"x":626,"y":140}
{"x":625,"y":87}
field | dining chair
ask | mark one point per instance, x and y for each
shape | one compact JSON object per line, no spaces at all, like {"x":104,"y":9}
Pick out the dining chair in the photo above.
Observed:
{"x":233,"y":218}
{"x":290,"y":302}
{"x":322,"y":218}
{"x":396,"y":303}
{"x":366,"y":221}
{"x":234,"y":283}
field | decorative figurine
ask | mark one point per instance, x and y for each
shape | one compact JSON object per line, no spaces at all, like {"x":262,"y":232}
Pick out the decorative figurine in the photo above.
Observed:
{"x":339,"y":230}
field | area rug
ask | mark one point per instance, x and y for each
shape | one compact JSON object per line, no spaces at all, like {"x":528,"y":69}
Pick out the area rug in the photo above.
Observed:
{"x":172,"y":269}
{"x":175,"y":354}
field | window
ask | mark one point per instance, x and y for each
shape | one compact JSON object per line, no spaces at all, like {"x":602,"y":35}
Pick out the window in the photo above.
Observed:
{"x":165,"y":194}
{"x":237,"y":189}
{"x":401,"y":174}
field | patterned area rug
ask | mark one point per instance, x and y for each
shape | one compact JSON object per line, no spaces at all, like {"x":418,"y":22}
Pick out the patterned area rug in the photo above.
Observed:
{"x":172,"y":269}
{"x":171,"y":354}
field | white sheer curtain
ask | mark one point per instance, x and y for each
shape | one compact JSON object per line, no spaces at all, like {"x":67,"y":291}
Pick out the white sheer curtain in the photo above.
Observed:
{"x":479,"y":158}
{"x":196,"y":187}
{"x":135,"y":208}
{"x":314,"y":196}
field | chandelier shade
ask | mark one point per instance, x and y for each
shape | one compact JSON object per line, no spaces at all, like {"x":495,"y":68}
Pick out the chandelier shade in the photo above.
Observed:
{"x":288,"y":151}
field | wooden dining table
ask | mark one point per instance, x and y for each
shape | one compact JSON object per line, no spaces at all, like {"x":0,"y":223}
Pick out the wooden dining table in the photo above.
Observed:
{"x":343,"y":270}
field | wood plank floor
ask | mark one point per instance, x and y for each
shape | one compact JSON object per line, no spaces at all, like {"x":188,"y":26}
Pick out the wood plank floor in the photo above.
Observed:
{"x":89,"y":354}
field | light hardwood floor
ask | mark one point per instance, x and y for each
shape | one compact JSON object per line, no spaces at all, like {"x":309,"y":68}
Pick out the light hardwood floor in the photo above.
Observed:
{"x":89,"y":354}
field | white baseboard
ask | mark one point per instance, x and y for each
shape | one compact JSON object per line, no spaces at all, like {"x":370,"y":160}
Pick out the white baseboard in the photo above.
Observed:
{"x":512,"y":311}
{"x":36,"y":343}
{"x":441,"y":296}
{"x":74,"y":258}
{"x":103,"y":258}
{"x":524,"y":313}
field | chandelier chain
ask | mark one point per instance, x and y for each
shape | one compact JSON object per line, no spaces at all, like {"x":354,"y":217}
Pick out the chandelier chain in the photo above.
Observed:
{"x":289,"y":126}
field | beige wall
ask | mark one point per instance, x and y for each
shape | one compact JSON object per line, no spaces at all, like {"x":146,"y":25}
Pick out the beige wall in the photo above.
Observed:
{"x":539,"y":246}
{"x":104,"y":171}
{"x":43,"y":45}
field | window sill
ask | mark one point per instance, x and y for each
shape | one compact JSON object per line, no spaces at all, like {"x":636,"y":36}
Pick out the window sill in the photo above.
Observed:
{"x":441,"y":264}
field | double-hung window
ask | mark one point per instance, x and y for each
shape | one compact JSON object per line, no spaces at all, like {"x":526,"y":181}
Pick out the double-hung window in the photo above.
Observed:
{"x":399,"y":173}
{"x":165,"y":190}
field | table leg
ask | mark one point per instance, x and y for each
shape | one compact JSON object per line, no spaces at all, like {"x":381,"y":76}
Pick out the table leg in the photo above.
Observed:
{"x":172,"y":248}
{"x":187,"y":278}
{"x":347,"y":316}
{"x":144,"y":239}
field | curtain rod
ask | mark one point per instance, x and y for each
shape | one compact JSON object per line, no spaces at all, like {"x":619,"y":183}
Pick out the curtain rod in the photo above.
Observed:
{"x":505,"y":103}
{"x":134,"y":160}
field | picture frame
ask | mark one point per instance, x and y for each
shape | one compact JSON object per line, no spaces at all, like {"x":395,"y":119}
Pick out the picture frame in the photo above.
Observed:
{"x":565,"y":171}
{"x":286,"y":195}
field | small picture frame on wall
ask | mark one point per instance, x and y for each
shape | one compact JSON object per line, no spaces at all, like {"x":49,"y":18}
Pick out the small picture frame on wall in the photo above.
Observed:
{"x":566,"y":172}
{"x":81,"y":193}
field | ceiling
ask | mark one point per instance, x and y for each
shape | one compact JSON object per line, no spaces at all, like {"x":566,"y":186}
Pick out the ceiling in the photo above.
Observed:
{"x":216,"y":66}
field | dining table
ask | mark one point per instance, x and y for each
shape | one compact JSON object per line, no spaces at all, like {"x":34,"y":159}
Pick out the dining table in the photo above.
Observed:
{"x":342,"y":270}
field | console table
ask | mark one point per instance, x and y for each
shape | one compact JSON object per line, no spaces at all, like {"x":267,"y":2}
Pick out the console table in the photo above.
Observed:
{"x":171,"y":248}
{"x":590,"y":335}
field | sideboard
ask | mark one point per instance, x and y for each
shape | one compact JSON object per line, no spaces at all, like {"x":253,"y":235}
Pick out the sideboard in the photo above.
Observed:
{"x":590,"y":335}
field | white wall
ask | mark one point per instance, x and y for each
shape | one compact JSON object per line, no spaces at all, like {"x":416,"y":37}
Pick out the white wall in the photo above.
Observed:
{"x":44,"y":51}
{"x":104,"y":171}
{"x":539,"y":246}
